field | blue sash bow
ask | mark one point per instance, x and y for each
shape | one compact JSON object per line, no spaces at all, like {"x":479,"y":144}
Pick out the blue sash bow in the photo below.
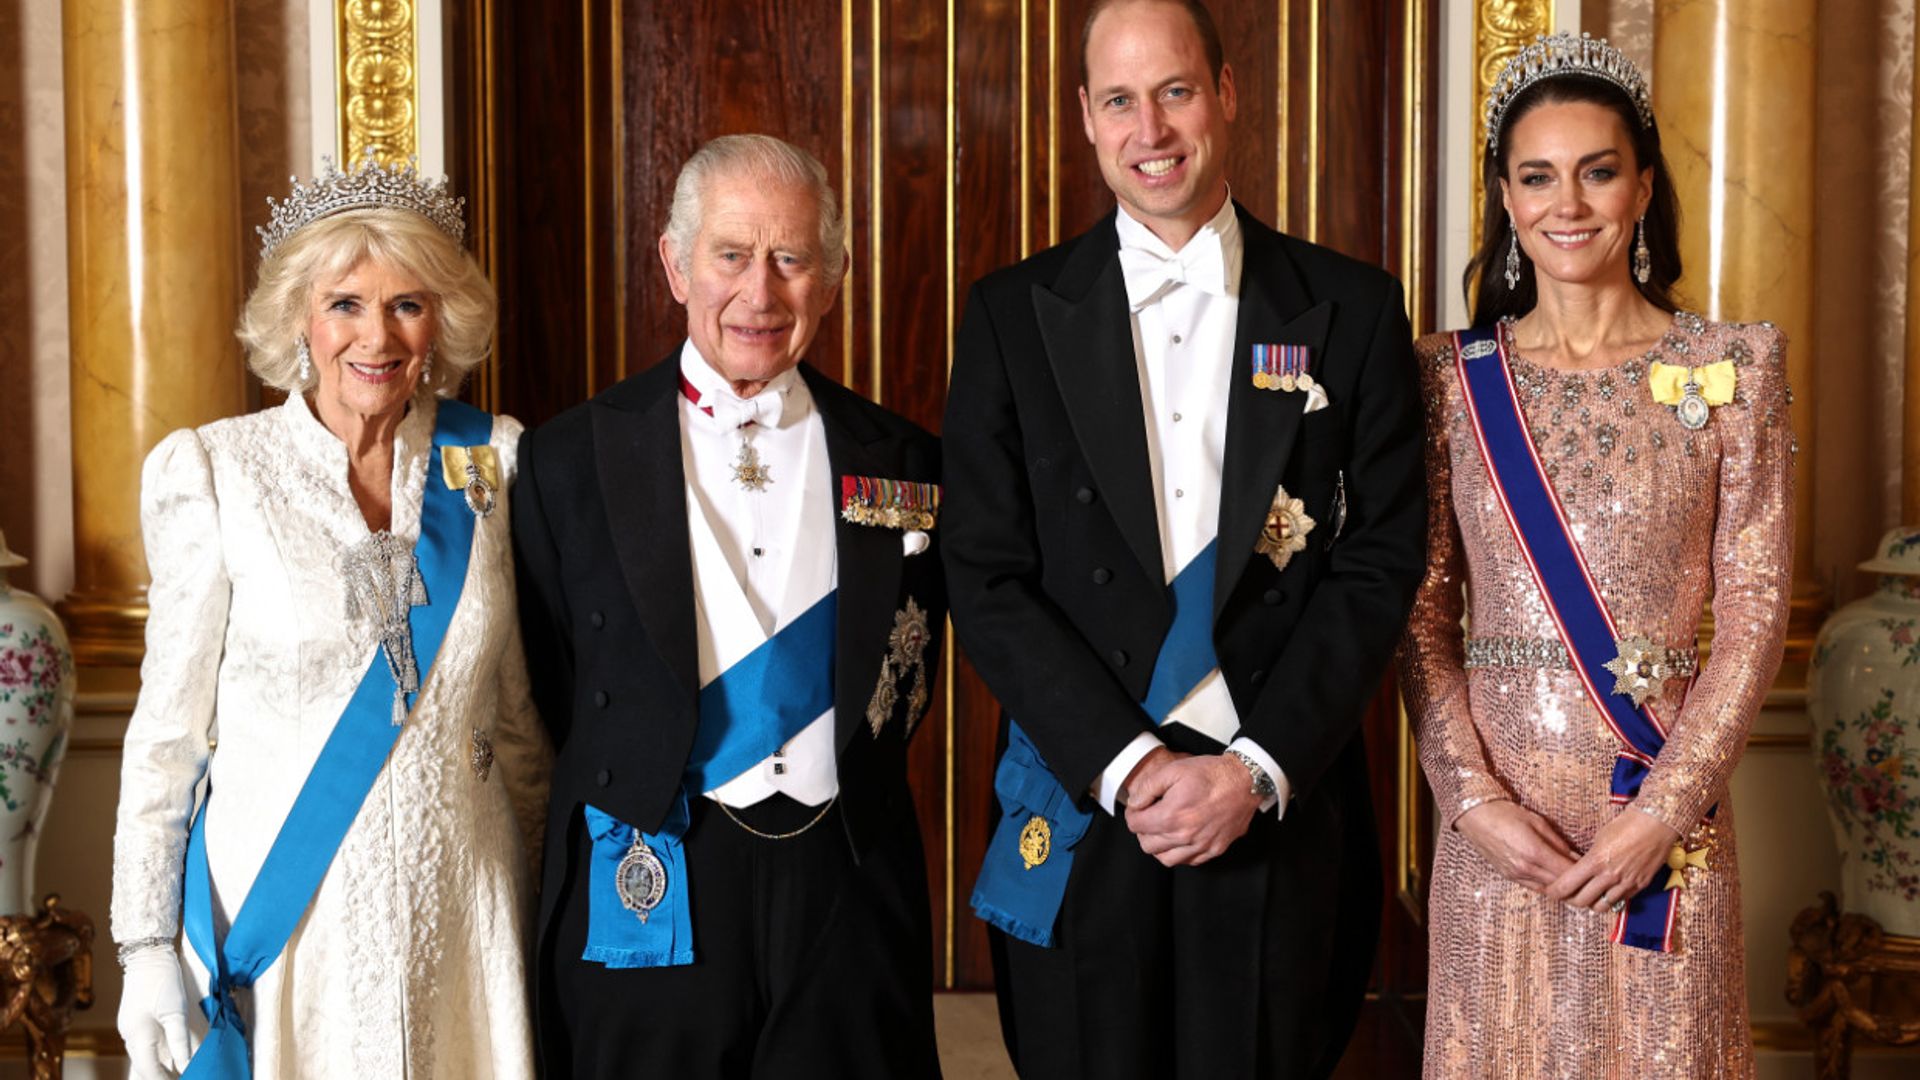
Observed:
{"x":746,"y":713}
{"x":342,"y":776}
{"x":1020,"y":896}
{"x":1579,"y":611}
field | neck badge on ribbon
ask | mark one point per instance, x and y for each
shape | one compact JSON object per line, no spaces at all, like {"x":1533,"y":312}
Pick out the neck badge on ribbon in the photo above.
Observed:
{"x":1580,"y":613}
{"x":1024,"y":876}
{"x":341,"y":777}
{"x":638,"y":912}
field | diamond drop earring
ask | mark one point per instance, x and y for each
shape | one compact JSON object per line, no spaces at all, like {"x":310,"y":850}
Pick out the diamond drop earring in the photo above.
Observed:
{"x":1642,"y":258}
{"x":426,"y":368}
{"x":1513,"y":259}
{"x":305,"y":356}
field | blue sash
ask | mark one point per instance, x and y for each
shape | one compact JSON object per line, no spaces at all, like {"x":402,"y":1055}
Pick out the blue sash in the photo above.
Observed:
{"x":342,"y":776}
{"x":1020,"y":896}
{"x":1580,"y":613}
{"x":746,"y":713}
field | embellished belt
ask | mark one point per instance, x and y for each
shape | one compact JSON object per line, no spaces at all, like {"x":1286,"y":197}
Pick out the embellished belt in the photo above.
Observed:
{"x":1644,"y":659}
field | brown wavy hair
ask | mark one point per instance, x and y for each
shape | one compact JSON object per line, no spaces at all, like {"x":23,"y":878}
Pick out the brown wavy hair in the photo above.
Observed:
{"x":1485,"y":280}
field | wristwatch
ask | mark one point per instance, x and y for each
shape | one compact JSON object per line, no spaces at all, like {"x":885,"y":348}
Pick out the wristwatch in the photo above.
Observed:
{"x":1263,"y":788}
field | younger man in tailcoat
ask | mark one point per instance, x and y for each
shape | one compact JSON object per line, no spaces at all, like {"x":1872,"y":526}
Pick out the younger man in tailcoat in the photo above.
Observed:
{"x":1181,"y":389}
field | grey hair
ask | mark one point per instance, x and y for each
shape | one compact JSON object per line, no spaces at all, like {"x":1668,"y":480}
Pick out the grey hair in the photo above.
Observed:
{"x":276,"y":313}
{"x":761,"y":157}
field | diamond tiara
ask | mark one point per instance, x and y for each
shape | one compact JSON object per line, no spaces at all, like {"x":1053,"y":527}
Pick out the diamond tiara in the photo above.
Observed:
{"x":370,"y":185}
{"x":1551,"y":56}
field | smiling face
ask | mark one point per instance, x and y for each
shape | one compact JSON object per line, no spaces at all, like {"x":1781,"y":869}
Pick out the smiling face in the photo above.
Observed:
{"x":756,"y":283}
{"x":369,"y":331}
{"x":1157,"y":121}
{"x":1575,"y":192}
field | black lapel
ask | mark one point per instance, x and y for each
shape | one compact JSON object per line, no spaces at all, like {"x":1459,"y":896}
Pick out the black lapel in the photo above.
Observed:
{"x":868,"y":556}
{"x":1088,"y":333}
{"x":636,"y":449}
{"x":1275,"y":309}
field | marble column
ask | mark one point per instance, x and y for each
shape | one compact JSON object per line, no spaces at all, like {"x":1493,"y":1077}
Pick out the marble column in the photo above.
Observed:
{"x":153,"y":248}
{"x":1733,"y":90}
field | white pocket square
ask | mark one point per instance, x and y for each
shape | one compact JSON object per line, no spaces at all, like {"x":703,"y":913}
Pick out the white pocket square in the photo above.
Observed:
{"x":1316,"y":398}
{"x":914,"y":541}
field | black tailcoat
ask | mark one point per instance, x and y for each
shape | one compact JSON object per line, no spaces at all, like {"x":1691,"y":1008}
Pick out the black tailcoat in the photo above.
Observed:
{"x":1053,"y":557}
{"x":605,"y":578}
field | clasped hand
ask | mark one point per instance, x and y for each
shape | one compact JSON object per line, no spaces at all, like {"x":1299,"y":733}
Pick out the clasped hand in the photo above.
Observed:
{"x":1525,"y":848}
{"x":1187,"y":809}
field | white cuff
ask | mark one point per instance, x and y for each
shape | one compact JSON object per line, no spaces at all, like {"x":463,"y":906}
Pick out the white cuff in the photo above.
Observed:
{"x":1282,"y":790}
{"x":1106,"y":790}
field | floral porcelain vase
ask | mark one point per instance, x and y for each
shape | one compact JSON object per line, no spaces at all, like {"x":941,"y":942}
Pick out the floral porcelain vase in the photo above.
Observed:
{"x":36,"y":715}
{"x":1864,"y":690}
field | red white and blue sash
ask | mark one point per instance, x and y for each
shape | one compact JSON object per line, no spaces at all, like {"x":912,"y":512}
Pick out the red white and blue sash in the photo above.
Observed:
{"x":1539,"y":525}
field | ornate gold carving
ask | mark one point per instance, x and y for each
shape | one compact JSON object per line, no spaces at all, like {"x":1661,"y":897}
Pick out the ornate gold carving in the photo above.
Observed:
{"x":46,"y":972}
{"x":1848,"y":978}
{"x":1500,"y":29}
{"x":378,"y":91}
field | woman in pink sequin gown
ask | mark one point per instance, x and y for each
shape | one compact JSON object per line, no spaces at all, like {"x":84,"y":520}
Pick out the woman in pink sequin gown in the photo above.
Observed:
{"x":1525,"y":980}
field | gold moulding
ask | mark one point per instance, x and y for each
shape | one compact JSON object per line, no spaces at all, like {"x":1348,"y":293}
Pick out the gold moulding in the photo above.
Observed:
{"x":106,"y":628}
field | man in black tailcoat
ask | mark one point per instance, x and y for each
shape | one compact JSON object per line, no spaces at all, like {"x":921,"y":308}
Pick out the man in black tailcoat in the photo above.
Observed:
{"x":1181,"y":388}
{"x":731,"y":597}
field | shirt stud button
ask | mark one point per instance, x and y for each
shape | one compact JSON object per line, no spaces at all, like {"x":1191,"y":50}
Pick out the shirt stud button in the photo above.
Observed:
{"x":1176,"y":339}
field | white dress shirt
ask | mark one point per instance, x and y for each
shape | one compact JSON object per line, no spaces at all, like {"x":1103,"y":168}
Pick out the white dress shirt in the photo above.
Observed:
{"x":1185,"y":307}
{"x":761,"y":558}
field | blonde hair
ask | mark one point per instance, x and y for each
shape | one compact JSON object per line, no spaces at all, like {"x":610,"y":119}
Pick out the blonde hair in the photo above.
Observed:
{"x":276,"y":313}
{"x":761,"y":157}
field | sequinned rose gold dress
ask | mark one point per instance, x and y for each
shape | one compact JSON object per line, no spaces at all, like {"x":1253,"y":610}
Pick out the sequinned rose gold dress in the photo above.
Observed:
{"x":1521,"y":986}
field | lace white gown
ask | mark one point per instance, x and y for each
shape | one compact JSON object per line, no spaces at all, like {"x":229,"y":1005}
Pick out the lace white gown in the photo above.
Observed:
{"x":411,"y":960}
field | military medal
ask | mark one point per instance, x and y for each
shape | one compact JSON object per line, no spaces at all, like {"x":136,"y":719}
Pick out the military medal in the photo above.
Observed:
{"x":1282,"y":367}
{"x":640,"y":879}
{"x":748,"y":470}
{"x":892,"y":504}
{"x":1036,"y":841}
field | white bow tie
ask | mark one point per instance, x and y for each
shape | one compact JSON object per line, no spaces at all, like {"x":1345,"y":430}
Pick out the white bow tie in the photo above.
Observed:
{"x":1150,"y":276}
{"x":732,"y":412}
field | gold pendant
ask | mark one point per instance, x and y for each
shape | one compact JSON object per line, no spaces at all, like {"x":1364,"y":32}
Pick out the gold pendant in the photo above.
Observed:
{"x":748,"y":470}
{"x":1036,"y":841}
{"x":1678,"y":859}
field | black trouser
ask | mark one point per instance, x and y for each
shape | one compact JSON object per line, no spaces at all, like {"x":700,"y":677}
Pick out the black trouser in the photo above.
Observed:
{"x":1251,"y":965}
{"x":808,"y":964}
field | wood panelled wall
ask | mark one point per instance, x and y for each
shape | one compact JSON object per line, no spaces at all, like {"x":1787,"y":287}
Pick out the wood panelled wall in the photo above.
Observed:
{"x":952,"y":131}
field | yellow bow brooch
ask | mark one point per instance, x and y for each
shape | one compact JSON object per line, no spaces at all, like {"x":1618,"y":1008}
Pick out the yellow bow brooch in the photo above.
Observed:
{"x":1692,"y":391}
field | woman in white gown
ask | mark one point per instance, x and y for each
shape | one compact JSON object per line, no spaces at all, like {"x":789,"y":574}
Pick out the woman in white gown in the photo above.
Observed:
{"x":282,"y":547}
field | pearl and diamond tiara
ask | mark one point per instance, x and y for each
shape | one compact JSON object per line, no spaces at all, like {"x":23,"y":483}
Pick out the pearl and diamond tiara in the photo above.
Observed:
{"x":1552,"y":56}
{"x":371,"y":185}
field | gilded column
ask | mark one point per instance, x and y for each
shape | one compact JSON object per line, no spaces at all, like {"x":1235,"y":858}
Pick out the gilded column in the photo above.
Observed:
{"x":153,"y":235}
{"x":1733,"y":90}
{"x":1501,"y":28}
{"x":1910,"y":418}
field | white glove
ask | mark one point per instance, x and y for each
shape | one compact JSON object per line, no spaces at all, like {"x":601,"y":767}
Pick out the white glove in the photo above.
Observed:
{"x":153,"y":1015}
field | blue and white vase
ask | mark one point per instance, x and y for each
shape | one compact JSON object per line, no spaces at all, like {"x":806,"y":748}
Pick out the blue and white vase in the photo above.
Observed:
{"x":1863,"y":691}
{"x":36,"y":717}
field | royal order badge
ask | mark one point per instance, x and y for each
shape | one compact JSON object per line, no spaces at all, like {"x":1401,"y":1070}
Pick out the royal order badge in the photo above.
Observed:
{"x":641,"y":879}
{"x":1285,"y":531}
{"x":906,"y":652}
{"x":1036,"y":841}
